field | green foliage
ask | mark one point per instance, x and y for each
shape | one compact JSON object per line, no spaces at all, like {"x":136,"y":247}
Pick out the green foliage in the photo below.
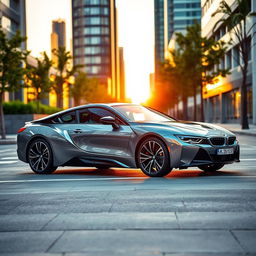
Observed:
{"x":64,"y":72}
{"x":18,"y":107}
{"x":12,"y":60}
{"x":38,"y":76}
{"x":87,"y":89}
{"x":192,"y":64}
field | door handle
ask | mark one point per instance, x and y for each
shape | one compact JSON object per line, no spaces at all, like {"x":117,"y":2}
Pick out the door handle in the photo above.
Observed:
{"x":78,"y":131}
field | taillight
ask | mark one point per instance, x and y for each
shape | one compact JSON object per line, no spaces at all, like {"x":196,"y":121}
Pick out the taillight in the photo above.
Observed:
{"x":21,"y":129}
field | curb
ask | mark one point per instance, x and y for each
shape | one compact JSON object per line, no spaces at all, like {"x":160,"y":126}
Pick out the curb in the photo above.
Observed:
{"x":243,"y":133}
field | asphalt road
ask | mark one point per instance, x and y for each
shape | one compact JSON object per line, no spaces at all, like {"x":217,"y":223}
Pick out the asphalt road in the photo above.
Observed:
{"x":85,"y":211}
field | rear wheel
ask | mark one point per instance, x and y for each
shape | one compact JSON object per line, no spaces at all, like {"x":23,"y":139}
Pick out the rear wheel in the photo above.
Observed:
{"x":40,"y":157}
{"x":211,"y":167}
{"x":153,"y":158}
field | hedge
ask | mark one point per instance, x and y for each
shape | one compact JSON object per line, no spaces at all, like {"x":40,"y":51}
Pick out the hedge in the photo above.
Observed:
{"x":18,"y":107}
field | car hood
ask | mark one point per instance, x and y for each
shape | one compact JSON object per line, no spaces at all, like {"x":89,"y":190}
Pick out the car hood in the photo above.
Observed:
{"x":184,"y":128}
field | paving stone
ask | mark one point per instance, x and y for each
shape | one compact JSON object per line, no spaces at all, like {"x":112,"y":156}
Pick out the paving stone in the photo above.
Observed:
{"x":105,"y":221}
{"x":173,"y":241}
{"x":27,"y":222}
{"x":217,"y":220}
{"x":247,"y":239}
{"x":28,"y":242}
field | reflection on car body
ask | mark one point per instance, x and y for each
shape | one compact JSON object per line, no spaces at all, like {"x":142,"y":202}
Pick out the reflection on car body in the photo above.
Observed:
{"x":124,"y":135}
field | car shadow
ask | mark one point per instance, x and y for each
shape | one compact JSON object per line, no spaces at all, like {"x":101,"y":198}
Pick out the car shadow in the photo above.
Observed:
{"x":119,"y":172}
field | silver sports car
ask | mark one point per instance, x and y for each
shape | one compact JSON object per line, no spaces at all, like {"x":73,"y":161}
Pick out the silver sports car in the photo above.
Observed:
{"x":124,"y":135}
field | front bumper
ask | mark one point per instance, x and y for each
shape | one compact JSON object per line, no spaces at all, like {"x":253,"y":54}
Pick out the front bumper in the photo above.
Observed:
{"x":200,"y":155}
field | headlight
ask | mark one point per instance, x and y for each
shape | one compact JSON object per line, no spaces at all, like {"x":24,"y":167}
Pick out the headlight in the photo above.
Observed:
{"x":191,"y":139}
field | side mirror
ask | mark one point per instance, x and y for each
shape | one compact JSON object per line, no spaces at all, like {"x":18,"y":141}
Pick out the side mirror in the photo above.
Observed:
{"x":109,"y":120}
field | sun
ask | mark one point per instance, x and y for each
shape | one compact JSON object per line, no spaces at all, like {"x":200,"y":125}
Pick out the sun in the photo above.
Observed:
{"x":138,"y":92}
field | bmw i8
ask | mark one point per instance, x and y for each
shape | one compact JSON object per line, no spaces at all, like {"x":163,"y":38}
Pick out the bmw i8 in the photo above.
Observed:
{"x":124,"y":135}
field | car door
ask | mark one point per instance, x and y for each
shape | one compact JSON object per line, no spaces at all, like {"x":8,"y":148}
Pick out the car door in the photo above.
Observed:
{"x":102,"y":139}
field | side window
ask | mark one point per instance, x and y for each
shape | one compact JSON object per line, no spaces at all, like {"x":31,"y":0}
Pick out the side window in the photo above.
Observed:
{"x":98,"y":113}
{"x":69,"y":118}
{"x":93,"y":115}
{"x":84,"y":116}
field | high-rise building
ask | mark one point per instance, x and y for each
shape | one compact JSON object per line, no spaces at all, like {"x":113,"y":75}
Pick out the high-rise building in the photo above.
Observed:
{"x":172,"y":16}
{"x":13,"y":18}
{"x":163,"y":30}
{"x":223,"y":99}
{"x":95,"y":40}
{"x":59,"y":28}
{"x":185,"y":13}
{"x":122,"y":94}
{"x":58,"y":37}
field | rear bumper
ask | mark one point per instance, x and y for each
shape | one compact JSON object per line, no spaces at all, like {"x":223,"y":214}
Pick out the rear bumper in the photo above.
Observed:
{"x":21,"y":148}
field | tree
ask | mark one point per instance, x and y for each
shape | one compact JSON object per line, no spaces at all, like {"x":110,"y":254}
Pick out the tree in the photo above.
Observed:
{"x":64,"y":72}
{"x":236,"y":22}
{"x":38,"y":77}
{"x":89,"y":90}
{"x":196,"y":62}
{"x":12,"y":69}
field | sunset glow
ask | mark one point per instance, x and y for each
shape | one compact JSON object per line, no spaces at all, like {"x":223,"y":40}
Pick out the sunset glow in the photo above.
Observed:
{"x":135,"y":34}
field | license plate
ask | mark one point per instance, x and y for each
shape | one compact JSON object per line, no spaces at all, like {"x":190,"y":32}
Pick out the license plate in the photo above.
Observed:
{"x":225,"y":151}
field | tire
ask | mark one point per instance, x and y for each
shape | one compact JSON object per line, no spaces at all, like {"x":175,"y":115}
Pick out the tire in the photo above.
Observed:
{"x":40,"y":157}
{"x":153,"y":158}
{"x":211,"y":167}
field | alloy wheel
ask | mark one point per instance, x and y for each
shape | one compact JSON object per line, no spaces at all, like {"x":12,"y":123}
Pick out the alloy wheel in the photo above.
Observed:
{"x":152,"y":157}
{"x":39,"y":156}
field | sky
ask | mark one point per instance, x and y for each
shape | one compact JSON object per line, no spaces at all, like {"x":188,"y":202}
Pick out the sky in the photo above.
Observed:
{"x":135,"y":34}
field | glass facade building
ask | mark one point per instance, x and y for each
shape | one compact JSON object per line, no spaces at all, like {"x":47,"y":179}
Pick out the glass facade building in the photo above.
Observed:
{"x":223,"y":99}
{"x":95,"y":40}
{"x":59,"y":28}
{"x":172,"y":16}
{"x":185,"y":13}
{"x":13,"y":18}
{"x":163,"y":29}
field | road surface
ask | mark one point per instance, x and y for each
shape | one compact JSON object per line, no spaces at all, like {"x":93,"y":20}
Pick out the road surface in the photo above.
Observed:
{"x":85,"y":211}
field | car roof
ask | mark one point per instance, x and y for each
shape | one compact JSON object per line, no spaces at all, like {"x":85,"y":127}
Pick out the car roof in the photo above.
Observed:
{"x":108,"y":105}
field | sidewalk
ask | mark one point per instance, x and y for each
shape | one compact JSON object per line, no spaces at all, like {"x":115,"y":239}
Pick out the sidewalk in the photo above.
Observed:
{"x":10,"y":139}
{"x":236,"y":128}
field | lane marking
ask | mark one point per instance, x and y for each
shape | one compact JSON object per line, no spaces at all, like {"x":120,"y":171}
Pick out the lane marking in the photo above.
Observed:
{"x":103,"y":179}
{"x":85,"y":179}
{"x":8,"y":162}
{"x":6,"y":150}
{"x":10,"y":158}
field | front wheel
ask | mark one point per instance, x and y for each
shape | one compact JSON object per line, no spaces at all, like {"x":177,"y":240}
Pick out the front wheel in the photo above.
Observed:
{"x":153,"y":158}
{"x":40,"y":157}
{"x":211,"y":167}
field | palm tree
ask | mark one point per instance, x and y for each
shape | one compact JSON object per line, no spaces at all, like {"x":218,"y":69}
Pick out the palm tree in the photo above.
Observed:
{"x":39,"y":78}
{"x":236,"y":22}
{"x":64,"y":72}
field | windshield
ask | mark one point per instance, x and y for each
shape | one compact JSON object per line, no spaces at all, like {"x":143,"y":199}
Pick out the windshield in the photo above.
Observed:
{"x":141,"y":114}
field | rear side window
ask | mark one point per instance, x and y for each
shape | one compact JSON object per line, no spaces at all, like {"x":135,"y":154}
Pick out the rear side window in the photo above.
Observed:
{"x":68,"y":118}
